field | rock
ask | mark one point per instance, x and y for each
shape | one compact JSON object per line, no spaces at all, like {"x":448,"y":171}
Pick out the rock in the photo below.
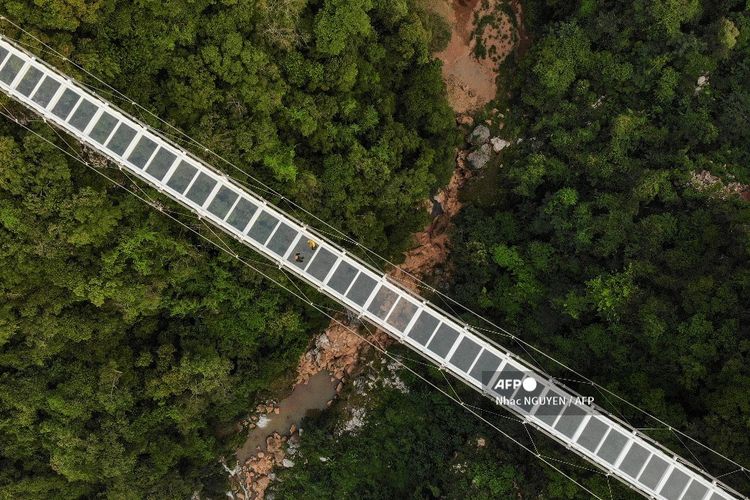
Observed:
{"x":498,"y":144}
{"x":702,"y":82}
{"x":292,"y":429}
{"x":261,"y":454}
{"x":277,"y":410}
{"x":480,"y":135}
{"x":322,"y":342}
{"x":287,"y":463}
{"x":481,"y":443}
{"x":479,"y":158}
{"x":464,"y":119}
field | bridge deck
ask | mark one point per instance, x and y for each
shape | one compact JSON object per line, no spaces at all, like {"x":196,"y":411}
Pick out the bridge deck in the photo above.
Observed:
{"x":600,"y":438}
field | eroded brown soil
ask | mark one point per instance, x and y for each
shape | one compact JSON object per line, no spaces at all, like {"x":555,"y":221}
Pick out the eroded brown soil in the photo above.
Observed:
{"x":471,"y":81}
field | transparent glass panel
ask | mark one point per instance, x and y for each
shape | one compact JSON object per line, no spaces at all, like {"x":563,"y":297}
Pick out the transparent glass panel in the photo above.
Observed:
{"x":103,"y":127}
{"x":465,"y":354}
{"x":29,"y":81}
{"x":182,"y":176}
{"x":342,"y":277}
{"x":121,"y":139}
{"x":159,"y":166}
{"x":592,"y":434}
{"x":222,"y":202}
{"x":65,"y":104}
{"x":423,"y":327}
{"x":321,"y":264}
{"x":634,"y":460}
{"x":201,"y":188}
{"x":717,"y":496}
{"x":304,"y":250}
{"x":3,"y":53}
{"x":570,"y":420}
{"x":612,"y":446}
{"x":142,"y":152}
{"x":528,"y":397}
{"x":550,"y":407}
{"x":485,"y":368}
{"x":652,"y":474}
{"x":402,"y":314}
{"x":11,"y":69}
{"x":696,"y":491}
{"x":263,"y":227}
{"x":675,"y":485}
{"x":508,"y":381}
{"x":443,"y":340}
{"x":242,"y":214}
{"x":44,"y":93}
{"x":83,"y":115}
{"x":382,"y":302}
{"x":282,"y":239}
{"x":361,"y":289}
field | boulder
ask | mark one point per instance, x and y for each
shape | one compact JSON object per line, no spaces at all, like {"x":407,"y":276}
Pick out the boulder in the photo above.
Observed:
{"x":287,"y":463}
{"x":480,"y":135}
{"x":498,"y":144}
{"x":479,"y":158}
{"x":322,"y":342}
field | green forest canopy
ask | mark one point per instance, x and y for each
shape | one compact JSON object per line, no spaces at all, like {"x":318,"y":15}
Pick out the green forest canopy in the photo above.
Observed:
{"x":594,"y":242}
{"x":127,"y":346}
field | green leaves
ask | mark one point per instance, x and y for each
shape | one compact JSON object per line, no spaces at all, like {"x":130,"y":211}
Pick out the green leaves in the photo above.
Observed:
{"x":125,"y":342}
{"x":341,"y":22}
{"x":617,"y":260}
{"x":670,"y":15}
{"x":559,"y":59}
{"x":611,"y":294}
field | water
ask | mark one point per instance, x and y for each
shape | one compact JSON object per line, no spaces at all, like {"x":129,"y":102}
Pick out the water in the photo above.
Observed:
{"x":304,"y":400}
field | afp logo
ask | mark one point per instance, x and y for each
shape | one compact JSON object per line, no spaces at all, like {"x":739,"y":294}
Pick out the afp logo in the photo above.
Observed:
{"x":504,"y":384}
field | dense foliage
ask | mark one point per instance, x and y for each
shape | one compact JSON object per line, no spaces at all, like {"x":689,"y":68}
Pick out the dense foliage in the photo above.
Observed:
{"x":396,"y":436}
{"x":415,"y":444}
{"x":593,"y":240}
{"x":127,"y":347}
